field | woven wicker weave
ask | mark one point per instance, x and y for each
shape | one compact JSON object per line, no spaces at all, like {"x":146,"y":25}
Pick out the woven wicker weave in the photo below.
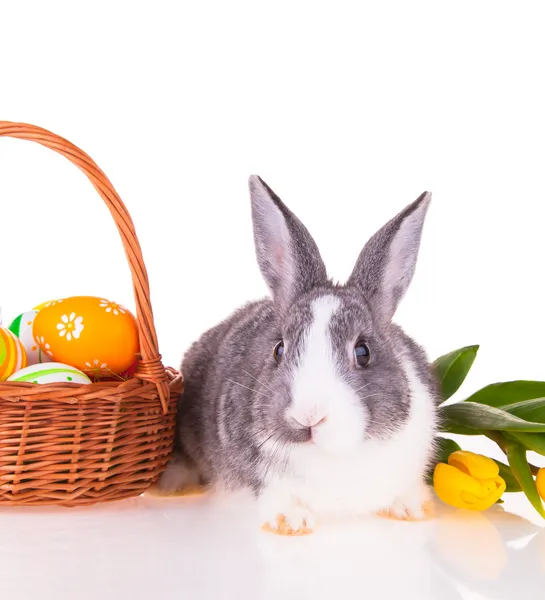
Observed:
{"x":71,"y":444}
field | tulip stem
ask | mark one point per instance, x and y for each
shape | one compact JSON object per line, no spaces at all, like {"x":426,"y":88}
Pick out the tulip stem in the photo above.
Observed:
{"x":497,"y":437}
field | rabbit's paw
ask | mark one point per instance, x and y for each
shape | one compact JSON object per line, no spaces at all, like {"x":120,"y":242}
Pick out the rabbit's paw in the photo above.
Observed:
{"x":298,"y":520}
{"x":283,"y":513}
{"x":416,"y":506}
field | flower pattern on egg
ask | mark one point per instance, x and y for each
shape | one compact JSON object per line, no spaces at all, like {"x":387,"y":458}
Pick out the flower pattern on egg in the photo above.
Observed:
{"x":34,"y":347}
{"x":44,"y":346}
{"x":52,"y":303}
{"x":96,"y":364}
{"x":71,"y":326}
{"x":112,"y":307}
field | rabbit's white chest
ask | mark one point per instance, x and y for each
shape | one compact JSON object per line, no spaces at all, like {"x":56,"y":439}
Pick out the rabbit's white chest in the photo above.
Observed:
{"x":365,"y":482}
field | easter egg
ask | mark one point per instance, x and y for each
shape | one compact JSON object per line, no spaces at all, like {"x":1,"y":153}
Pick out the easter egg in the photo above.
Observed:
{"x":94,"y":335}
{"x":50,"y":373}
{"x":12,"y":354}
{"x":44,"y":304}
{"x":22,"y":328}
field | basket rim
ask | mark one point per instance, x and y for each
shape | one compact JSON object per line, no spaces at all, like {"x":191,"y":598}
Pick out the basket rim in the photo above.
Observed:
{"x":14,"y":392}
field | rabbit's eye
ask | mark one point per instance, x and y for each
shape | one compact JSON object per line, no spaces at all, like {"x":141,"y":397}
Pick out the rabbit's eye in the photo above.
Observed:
{"x":361,"y":354}
{"x":278,"y":351}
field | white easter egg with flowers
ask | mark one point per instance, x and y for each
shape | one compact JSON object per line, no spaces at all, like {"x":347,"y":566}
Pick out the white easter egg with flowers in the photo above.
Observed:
{"x":22,"y":327}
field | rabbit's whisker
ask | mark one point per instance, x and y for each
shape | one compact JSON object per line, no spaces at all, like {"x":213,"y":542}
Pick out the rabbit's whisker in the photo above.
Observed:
{"x":260,"y":382}
{"x":364,"y":386}
{"x":247,"y":388}
{"x":276,"y":430}
{"x":278,"y":447}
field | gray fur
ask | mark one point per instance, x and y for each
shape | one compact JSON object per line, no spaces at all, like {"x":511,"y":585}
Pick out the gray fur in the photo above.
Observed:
{"x":286,"y":253}
{"x":236,"y":394}
{"x":385,"y":267}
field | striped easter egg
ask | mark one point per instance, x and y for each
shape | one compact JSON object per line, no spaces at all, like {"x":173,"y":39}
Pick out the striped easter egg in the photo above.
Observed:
{"x":50,"y":373}
{"x":12,"y":354}
{"x":22,"y":328}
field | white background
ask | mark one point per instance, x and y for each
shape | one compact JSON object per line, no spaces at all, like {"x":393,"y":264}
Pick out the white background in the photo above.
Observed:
{"x":349,"y":110}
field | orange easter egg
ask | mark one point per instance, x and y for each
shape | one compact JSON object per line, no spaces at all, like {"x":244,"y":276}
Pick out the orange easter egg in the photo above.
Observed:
{"x":12,"y":354}
{"x":94,"y":335}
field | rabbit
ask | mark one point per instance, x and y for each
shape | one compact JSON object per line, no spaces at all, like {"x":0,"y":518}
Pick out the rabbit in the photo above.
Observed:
{"x":312,"y":399}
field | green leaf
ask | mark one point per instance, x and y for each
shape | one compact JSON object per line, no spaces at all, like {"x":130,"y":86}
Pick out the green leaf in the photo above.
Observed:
{"x":445,"y":447}
{"x":516,"y":455}
{"x":452,"y":369}
{"x":532,"y":441}
{"x":530,"y":410}
{"x":507,"y":475}
{"x":481,"y":417}
{"x":450,"y":427}
{"x":503,"y":394}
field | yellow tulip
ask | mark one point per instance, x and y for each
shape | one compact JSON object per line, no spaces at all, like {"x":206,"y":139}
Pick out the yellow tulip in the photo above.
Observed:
{"x":540,"y":482}
{"x":469,"y":481}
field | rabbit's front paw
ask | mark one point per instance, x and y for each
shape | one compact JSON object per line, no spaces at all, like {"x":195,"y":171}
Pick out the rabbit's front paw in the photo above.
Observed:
{"x":281,"y":511}
{"x":415,"y":506}
{"x":298,"y":520}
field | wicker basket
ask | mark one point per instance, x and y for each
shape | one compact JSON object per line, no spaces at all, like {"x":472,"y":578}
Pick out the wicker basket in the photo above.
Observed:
{"x":70,"y":444}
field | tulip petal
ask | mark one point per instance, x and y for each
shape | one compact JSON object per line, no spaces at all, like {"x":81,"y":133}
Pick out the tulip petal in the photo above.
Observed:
{"x":476,"y":465}
{"x":449,"y":484}
{"x":540,"y":482}
{"x":491,"y":492}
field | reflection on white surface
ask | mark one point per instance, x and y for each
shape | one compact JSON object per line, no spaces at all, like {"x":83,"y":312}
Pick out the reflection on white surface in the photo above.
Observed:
{"x":210,"y":548}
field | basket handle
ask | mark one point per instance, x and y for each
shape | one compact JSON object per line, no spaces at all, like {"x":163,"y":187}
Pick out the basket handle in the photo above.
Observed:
{"x":150,"y":368}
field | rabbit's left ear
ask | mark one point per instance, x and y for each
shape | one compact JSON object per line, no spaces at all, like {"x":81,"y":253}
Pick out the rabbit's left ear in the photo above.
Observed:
{"x":386,"y":265}
{"x":286,"y":252}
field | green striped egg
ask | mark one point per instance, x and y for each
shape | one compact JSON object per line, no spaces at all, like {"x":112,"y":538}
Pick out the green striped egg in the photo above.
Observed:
{"x":50,"y":373}
{"x":22,"y":328}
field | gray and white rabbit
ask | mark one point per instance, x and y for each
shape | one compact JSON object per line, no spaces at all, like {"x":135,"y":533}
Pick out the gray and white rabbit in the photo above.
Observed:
{"x":313,"y":399}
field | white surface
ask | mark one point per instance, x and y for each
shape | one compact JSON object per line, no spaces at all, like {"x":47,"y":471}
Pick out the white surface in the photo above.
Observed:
{"x":349,"y":110}
{"x":210,"y":548}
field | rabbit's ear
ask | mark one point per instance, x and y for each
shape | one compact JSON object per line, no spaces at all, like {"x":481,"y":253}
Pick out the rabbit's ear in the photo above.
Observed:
{"x":287,"y":255}
{"x":386,"y":265}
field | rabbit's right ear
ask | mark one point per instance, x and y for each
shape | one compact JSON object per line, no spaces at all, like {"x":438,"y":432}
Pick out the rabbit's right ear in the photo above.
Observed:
{"x":385,"y":267}
{"x":287,"y":255}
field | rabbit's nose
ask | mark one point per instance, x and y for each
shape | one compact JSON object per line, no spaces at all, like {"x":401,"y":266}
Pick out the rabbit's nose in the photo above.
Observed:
{"x":310,"y":421}
{"x":318,"y":422}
